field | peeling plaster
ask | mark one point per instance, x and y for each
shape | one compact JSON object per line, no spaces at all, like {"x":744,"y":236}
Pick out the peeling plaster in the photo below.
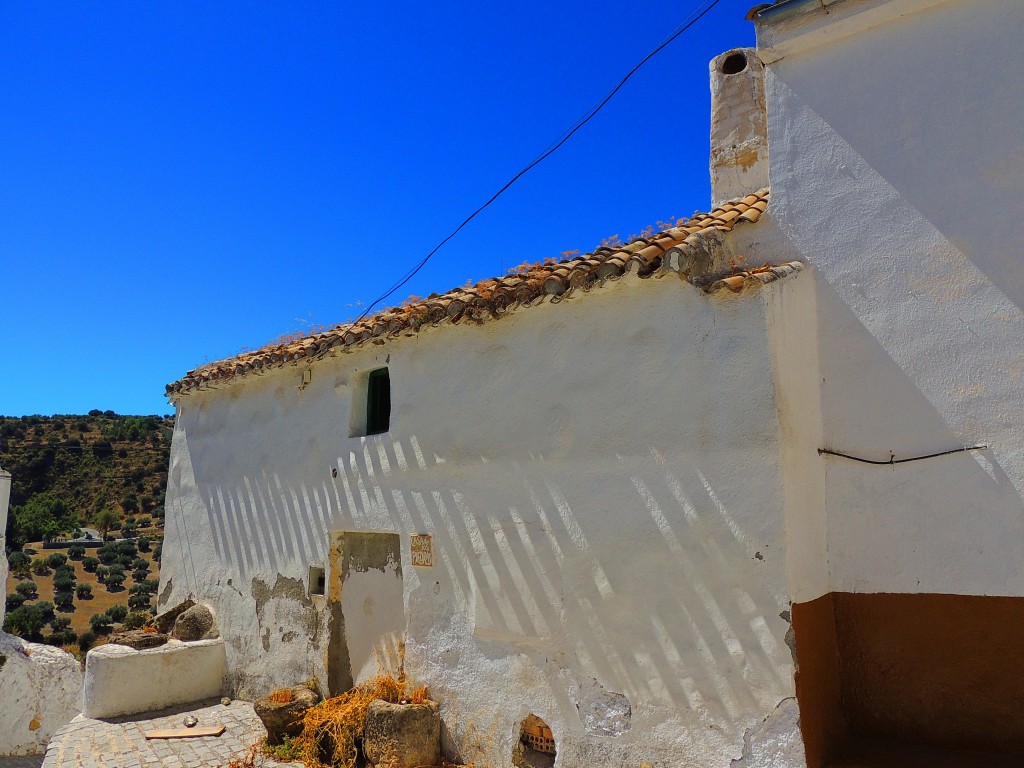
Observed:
{"x":602,"y":712}
{"x":168,"y":590}
{"x":775,"y":742}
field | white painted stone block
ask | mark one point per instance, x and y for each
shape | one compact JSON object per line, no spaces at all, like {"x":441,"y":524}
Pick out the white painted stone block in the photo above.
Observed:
{"x":122,"y":681}
{"x":40,"y":690}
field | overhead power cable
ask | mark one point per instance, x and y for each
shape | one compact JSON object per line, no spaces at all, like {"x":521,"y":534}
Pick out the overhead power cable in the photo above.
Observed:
{"x":690,"y":20}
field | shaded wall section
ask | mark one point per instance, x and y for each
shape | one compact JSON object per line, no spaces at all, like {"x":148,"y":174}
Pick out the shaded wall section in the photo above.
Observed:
{"x":822,"y":721}
{"x":945,"y":671}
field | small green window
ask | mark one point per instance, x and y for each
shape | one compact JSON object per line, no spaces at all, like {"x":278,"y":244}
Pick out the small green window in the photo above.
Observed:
{"x":378,"y":402}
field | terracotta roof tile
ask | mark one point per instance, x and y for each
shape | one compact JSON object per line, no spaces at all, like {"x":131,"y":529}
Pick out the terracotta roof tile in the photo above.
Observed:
{"x":670,"y":250}
{"x":741,"y":278}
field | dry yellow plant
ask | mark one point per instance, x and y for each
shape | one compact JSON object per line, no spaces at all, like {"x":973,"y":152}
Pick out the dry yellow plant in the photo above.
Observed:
{"x":281,"y":696}
{"x":331,"y":729}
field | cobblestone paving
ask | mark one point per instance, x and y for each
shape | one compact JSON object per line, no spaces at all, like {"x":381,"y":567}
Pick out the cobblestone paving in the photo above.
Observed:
{"x":22,"y":761}
{"x":121,"y":742}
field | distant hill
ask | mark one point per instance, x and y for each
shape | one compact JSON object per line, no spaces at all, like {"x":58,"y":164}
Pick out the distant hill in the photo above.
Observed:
{"x":101,"y":471}
{"x":73,"y":467}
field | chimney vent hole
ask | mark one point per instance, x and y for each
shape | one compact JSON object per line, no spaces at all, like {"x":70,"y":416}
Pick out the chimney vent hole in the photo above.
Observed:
{"x":734,"y":63}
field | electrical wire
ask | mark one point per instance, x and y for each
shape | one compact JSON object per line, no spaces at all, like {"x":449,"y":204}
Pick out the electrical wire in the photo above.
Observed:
{"x":894,"y":460}
{"x":690,"y":20}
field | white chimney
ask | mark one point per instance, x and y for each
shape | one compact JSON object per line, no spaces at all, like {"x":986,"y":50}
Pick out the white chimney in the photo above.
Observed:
{"x":739,"y":125}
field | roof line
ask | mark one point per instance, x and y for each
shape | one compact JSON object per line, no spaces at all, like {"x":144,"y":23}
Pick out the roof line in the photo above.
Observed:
{"x":686,"y":249}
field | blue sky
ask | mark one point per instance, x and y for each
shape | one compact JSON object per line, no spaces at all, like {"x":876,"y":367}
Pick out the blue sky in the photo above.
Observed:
{"x":179,"y":181}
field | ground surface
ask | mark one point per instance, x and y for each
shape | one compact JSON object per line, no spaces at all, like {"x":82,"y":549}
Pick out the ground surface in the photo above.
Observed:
{"x":26,"y":761}
{"x":883,"y":754}
{"x":121,"y":742}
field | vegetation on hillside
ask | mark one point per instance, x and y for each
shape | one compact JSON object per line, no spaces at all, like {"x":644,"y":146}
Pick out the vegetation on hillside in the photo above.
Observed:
{"x":68,"y":469}
{"x":102,"y":471}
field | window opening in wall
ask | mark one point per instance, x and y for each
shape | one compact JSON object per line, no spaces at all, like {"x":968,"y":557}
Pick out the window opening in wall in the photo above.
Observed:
{"x":317,"y":581}
{"x":378,"y":401}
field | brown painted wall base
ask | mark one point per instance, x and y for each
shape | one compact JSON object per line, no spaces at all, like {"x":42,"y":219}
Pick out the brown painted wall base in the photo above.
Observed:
{"x":940,"y":670}
{"x":822,"y":721}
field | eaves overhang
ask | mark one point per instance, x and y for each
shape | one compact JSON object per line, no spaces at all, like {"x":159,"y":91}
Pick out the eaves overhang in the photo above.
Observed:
{"x":793,"y":27}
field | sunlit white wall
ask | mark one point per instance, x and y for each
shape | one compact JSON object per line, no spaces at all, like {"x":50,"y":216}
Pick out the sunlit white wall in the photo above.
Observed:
{"x":897,"y":154}
{"x":602,"y":481}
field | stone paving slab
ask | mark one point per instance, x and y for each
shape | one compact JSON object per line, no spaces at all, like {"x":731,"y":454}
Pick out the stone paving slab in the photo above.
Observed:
{"x":121,"y":742}
{"x":21,"y":761}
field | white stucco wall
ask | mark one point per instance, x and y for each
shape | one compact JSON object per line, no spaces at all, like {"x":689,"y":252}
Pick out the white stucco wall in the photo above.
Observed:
{"x":897,"y":151}
{"x":40,"y":690}
{"x":122,"y":681}
{"x":603,"y":485}
{"x":40,"y":686}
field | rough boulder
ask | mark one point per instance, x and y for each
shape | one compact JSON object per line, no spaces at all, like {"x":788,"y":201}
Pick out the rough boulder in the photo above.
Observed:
{"x":196,"y":623}
{"x":138,"y":639}
{"x":283,"y":717}
{"x":40,"y":690}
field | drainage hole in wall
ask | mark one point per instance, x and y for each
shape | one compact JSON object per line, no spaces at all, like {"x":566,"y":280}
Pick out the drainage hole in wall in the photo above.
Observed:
{"x":536,"y":746}
{"x":317,"y":581}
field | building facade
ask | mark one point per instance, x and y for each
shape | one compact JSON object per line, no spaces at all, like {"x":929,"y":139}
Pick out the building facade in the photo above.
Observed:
{"x":687,"y":509}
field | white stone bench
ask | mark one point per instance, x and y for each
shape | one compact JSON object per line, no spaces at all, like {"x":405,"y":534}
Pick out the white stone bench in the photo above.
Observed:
{"x":122,"y":681}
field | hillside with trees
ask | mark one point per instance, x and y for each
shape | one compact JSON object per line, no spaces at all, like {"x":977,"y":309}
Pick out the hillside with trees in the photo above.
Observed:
{"x":101,"y":471}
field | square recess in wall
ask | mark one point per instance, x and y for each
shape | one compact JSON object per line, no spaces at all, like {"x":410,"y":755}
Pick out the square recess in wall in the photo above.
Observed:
{"x":317,"y":581}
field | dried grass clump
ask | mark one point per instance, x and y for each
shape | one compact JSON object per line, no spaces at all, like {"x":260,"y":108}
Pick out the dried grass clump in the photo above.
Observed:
{"x":281,"y":696}
{"x":332,"y":728}
{"x":74,"y":650}
{"x":419,"y":694}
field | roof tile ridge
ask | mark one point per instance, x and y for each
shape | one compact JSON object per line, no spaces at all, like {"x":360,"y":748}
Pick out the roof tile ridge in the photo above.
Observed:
{"x":552,"y":280}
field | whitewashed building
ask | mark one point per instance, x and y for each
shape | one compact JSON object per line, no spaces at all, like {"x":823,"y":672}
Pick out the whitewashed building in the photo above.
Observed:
{"x":607,"y":492}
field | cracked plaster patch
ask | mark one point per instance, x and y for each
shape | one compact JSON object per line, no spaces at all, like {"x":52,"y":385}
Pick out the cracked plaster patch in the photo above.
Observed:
{"x":602,"y":712}
{"x":775,"y":742}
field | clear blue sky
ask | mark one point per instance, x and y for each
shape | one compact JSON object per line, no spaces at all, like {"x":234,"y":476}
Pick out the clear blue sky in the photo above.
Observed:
{"x":182,"y":180}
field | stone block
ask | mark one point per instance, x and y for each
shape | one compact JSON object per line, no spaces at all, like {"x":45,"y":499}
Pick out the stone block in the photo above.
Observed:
{"x":284,"y":718}
{"x":164,"y":622}
{"x":138,"y":639}
{"x":175,"y":673}
{"x":195,"y":623}
{"x":402,"y":735}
